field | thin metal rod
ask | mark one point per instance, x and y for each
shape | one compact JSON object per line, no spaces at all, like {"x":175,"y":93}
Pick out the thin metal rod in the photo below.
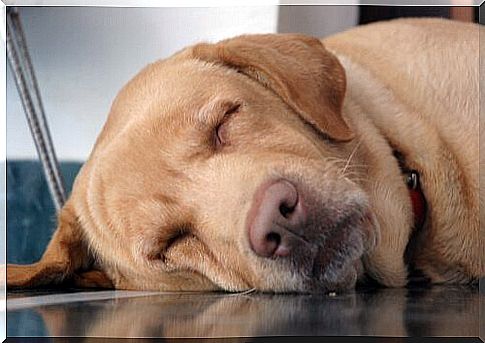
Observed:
{"x":42,"y":118}
{"x":27,"y":87}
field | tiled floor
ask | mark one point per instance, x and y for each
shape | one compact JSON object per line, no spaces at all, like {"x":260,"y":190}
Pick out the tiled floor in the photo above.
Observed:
{"x":437,"y":311}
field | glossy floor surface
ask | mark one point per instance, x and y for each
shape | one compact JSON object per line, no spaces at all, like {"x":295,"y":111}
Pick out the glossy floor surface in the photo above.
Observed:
{"x":436,"y":311}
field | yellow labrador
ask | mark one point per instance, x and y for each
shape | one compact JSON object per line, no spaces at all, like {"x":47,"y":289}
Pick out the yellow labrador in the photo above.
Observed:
{"x":278,"y":163}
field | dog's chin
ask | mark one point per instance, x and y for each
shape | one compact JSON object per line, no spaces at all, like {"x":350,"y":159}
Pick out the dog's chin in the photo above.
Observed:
{"x":341,"y":274}
{"x":320,"y":280}
{"x":345,"y":282}
{"x":334,"y":262}
{"x":342,"y":267}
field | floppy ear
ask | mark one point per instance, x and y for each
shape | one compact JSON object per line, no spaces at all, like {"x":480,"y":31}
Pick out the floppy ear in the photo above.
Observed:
{"x":65,"y":259}
{"x":298,"y":68}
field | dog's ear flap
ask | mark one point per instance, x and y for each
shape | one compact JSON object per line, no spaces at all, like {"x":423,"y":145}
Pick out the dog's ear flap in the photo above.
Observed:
{"x":66,"y":259}
{"x":296,"y":67}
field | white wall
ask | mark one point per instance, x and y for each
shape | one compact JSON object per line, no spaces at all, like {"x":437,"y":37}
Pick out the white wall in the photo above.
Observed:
{"x":83,"y":56}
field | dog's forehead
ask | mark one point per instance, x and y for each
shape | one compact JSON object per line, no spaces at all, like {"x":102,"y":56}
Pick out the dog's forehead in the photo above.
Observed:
{"x":151,"y":113}
{"x":165,"y":86}
{"x":168,"y":93}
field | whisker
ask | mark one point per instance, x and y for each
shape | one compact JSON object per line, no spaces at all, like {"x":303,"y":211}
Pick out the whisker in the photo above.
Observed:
{"x":358,"y":166}
{"x":248,"y":291}
{"x":351,"y":156}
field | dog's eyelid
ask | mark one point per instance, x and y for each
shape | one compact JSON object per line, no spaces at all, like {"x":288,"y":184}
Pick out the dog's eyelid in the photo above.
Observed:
{"x":233,"y":108}
{"x":216,"y":110}
{"x":177,"y":236}
{"x":220,"y":130}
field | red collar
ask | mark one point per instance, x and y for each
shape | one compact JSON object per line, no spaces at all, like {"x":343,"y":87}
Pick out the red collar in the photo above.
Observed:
{"x":413,"y":182}
{"x":418,"y":200}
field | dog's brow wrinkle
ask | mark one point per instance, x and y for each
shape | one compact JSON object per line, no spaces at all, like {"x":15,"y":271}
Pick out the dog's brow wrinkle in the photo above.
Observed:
{"x":165,"y":199}
{"x":207,"y":110}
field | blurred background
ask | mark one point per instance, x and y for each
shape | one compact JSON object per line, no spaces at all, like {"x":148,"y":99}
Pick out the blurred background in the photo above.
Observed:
{"x":83,"y":55}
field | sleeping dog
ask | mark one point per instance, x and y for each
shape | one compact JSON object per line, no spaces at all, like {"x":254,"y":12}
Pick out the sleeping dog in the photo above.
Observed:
{"x":283,"y":163}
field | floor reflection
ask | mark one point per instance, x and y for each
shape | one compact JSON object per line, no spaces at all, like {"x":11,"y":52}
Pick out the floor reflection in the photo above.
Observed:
{"x":437,"y":311}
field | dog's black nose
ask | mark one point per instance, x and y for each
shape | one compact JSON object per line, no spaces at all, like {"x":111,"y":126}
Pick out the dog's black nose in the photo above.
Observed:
{"x":275,"y":219}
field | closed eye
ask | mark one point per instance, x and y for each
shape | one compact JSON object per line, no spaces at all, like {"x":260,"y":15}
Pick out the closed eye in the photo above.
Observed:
{"x":221,"y":135}
{"x":177,"y":237}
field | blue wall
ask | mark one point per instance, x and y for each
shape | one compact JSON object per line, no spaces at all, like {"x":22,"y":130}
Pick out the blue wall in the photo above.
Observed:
{"x":31,"y":217}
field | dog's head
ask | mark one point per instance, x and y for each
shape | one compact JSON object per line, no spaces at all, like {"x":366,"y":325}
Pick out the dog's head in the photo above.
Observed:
{"x":226,"y":167}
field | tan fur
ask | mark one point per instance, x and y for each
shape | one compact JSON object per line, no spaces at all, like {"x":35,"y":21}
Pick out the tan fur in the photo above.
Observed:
{"x":423,"y":98}
{"x":409,"y":85}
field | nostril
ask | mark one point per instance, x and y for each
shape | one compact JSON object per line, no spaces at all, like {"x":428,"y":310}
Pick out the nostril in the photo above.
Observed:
{"x":273,"y":237}
{"x":275,"y":211}
{"x":286,"y":210}
{"x":274,"y":246}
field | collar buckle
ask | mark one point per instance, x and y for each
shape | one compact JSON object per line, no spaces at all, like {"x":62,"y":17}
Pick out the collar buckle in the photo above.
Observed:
{"x":417,"y":197}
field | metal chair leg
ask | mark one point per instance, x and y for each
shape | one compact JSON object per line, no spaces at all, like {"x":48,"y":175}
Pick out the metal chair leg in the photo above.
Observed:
{"x":28,"y":89}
